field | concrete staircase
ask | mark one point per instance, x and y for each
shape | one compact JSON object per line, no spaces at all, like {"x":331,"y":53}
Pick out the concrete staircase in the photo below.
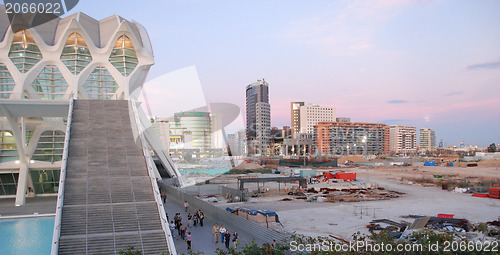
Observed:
{"x":108,"y":199}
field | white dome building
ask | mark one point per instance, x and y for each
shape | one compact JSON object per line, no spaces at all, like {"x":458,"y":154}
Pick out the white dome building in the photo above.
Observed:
{"x":41,"y":70}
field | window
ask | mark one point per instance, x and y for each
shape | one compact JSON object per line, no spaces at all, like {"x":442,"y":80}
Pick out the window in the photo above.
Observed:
{"x":76,"y":55}
{"x":24,"y":53}
{"x":8,"y":147}
{"x":8,"y":183}
{"x":123,"y":56}
{"x":100,"y":84}
{"x":50,"y":146}
{"x":6,"y":82}
{"x":50,"y":83}
{"x":45,"y":181}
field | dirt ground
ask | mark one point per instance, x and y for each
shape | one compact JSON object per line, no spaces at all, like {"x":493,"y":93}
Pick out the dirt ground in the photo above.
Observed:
{"x":485,"y":173}
{"x":343,"y":219}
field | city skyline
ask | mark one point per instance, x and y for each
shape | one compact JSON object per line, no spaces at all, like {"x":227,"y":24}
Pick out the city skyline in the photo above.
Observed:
{"x":428,"y":64}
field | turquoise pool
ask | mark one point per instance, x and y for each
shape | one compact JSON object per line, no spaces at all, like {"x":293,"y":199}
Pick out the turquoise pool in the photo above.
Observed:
{"x":26,"y":236}
{"x":205,"y":171}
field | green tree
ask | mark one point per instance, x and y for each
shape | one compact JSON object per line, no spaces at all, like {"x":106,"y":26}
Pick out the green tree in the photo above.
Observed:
{"x":492,"y":148}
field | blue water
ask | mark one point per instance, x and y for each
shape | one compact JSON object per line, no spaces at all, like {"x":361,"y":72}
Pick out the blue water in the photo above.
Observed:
{"x":26,"y":236}
{"x":206,"y":171}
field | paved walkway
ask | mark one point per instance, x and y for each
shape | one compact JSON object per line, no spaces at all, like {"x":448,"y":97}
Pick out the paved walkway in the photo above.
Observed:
{"x":39,"y":205}
{"x":202,"y":237}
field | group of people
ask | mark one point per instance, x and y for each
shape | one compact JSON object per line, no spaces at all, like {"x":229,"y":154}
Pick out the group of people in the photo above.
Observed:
{"x":225,"y":236}
{"x":176,"y":225}
{"x":193,"y":220}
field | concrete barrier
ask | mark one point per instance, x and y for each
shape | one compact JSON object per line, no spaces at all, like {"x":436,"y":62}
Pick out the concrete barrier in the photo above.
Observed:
{"x":232,"y":222}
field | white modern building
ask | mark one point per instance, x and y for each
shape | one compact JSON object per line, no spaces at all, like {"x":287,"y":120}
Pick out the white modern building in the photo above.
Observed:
{"x":312,"y":114}
{"x":427,"y":140}
{"x":162,"y":128}
{"x":41,"y":70}
{"x":403,"y":139}
{"x":83,"y":77}
{"x":295,"y":116}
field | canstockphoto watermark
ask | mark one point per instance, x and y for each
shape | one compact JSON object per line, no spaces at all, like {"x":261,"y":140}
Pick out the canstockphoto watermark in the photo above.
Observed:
{"x":364,"y":246}
{"x":25,"y":14}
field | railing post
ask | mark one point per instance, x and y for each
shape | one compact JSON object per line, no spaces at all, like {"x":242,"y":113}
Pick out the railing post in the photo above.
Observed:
{"x":62,"y":178}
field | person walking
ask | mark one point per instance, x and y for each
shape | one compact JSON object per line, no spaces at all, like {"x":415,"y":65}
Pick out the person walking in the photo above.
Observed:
{"x":188,"y":240}
{"x":227,"y":238}
{"x":164,"y":197}
{"x":222,"y":232}
{"x":190,"y":220}
{"x":235,"y":239}
{"x":215,"y":231}
{"x":202,"y":217}
{"x":172,"y":228}
{"x":195,"y":219}
{"x":176,"y":222}
{"x":186,"y":205}
{"x":182,"y":229}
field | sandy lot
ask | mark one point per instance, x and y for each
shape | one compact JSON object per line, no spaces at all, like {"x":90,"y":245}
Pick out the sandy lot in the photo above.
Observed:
{"x":344,"y":219}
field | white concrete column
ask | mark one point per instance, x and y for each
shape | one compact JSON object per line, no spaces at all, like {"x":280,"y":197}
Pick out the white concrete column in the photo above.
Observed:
{"x":22,"y":185}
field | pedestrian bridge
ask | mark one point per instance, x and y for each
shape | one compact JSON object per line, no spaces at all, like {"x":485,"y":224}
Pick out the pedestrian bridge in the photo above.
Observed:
{"x":108,"y":198}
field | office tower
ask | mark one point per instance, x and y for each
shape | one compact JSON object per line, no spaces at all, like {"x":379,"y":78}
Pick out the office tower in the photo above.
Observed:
{"x":258,"y":116}
{"x":295,"y":116}
{"x":403,"y":139}
{"x":312,"y":114}
{"x":351,"y":138}
{"x":427,"y":140}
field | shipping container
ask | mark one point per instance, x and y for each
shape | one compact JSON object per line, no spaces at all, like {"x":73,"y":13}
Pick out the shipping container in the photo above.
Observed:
{"x":430,"y":163}
{"x":345,"y":176}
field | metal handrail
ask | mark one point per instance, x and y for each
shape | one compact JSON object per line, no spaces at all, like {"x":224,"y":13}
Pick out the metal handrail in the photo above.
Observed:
{"x":60,"y":194}
{"x":156,"y":191}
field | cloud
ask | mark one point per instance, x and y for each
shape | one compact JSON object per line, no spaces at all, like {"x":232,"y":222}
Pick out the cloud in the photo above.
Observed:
{"x":348,"y":30}
{"x":485,"y":66}
{"x":397,"y":102}
{"x":454,"y":93}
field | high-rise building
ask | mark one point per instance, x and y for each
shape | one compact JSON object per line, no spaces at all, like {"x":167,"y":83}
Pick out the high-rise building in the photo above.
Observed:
{"x":351,"y":138}
{"x":295,"y":116}
{"x":162,"y":129}
{"x":427,"y":140}
{"x":195,"y":124}
{"x":312,"y":114}
{"x":237,"y":143}
{"x":258,"y":115}
{"x":403,"y":139}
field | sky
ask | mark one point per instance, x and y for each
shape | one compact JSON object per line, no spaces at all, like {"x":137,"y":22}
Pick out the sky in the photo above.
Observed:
{"x":432,"y":64}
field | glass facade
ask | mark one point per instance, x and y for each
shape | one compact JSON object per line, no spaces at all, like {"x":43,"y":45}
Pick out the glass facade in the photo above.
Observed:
{"x":100,"y":84}
{"x":24,"y":53}
{"x":76,"y":55}
{"x":50,"y":83}
{"x":45,"y":181}
{"x":123,"y":56}
{"x":8,"y":183}
{"x":198,"y":125}
{"x":6,"y":82}
{"x":50,"y":146}
{"x":8,"y":147}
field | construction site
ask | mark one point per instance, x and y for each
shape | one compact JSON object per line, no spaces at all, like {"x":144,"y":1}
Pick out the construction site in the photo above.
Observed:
{"x":354,"y":199}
